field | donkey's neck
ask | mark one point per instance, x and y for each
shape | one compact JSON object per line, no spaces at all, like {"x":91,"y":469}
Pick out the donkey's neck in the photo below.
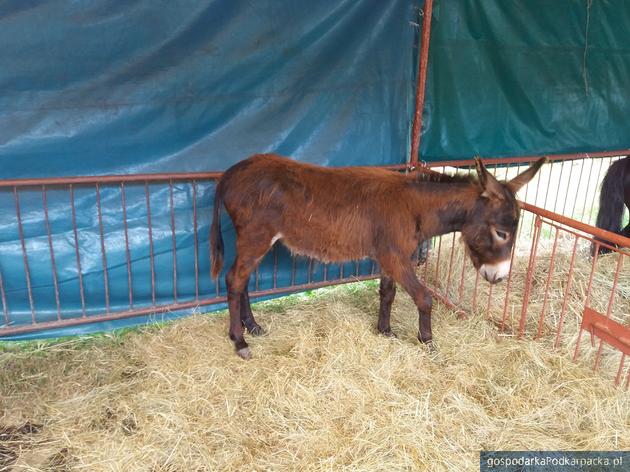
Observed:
{"x":444,"y":207}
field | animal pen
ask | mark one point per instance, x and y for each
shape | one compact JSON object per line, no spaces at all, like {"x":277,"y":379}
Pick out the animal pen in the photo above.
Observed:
{"x":116,"y":232}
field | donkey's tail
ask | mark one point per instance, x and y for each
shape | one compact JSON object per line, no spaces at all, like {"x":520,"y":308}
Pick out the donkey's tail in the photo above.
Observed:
{"x":611,"y":197}
{"x":216,"y":239}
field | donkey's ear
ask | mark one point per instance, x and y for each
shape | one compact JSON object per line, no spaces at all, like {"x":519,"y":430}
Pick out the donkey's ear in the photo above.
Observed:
{"x":520,"y":180}
{"x":490,"y":186}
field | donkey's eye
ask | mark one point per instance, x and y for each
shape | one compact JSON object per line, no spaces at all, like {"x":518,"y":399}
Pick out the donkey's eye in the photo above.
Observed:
{"x":501,"y":235}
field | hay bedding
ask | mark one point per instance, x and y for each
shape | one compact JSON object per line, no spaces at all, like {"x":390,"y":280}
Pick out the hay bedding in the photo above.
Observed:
{"x":323,"y":392}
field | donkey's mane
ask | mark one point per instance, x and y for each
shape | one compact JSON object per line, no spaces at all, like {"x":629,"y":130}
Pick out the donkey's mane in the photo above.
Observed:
{"x":440,"y":178}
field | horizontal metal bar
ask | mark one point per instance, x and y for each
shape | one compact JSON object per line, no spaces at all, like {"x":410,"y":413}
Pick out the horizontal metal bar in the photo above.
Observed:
{"x":570,"y":222}
{"x":526,"y":159}
{"x":104,"y":179}
{"x":160,"y":177}
{"x":13,"y":330}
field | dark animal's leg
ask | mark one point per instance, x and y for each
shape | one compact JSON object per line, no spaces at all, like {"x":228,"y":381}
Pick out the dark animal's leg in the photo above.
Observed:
{"x":247,"y":317}
{"x":387,"y":292}
{"x":402,"y":270}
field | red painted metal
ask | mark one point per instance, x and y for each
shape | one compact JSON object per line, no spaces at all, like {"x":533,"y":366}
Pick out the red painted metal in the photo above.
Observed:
{"x":528,"y":277}
{"x":151,"y":251}
{"x":170,"y":307}
{"x":422,"y":81}
{"x":607,"y":329}
{"x":123,"y":203}
{"x":76,"y":250}
{"x":541,"y":319}
{"x":528,"y":159}
{"x":27,"y":272}
{"x":5,"y":307}
{"x":52,"y":251}
{"x":103,"y":251}
{"x":173,"y":238}
{"x":195,"y":238}
{"x":570,"y":222}
{"x":567,"y":290}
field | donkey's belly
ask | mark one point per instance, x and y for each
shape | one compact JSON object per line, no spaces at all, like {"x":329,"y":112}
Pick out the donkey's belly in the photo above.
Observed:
{"x":328,"y":248}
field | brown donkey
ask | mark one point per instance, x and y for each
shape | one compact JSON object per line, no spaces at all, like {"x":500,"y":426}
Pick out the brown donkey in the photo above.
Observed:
{"x":336,"y":215}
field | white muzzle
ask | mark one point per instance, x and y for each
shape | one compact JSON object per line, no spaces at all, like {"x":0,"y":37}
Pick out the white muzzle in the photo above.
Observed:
{"x":495,"y":273}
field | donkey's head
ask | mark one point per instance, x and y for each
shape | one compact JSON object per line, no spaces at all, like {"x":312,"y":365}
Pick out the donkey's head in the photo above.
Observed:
{"x":490,"y":229}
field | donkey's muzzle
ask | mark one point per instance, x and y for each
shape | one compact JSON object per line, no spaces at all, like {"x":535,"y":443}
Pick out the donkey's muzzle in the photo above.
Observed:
{"x":495,"y":273}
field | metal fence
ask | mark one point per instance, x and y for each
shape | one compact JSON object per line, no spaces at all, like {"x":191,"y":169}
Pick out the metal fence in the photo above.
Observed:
{"x":555,"y":291}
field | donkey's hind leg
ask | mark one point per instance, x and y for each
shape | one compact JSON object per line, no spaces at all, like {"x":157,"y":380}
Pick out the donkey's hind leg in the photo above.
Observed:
{"x":236,"y":281}
{"x":387,"y":292}
{"x":247,"y":317}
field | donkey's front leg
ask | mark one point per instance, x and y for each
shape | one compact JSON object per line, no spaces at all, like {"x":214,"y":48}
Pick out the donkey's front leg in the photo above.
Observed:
{"x":387,"y":292}
{"x":422,"y":298}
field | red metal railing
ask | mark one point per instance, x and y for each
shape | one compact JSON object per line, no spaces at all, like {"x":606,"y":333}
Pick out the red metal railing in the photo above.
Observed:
{"x":555,"y":290}
{"x":529,"y":303}
{"x":89,"y":311}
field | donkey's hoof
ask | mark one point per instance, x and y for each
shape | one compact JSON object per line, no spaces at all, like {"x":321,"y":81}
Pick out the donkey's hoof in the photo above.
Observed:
{"x":431,"y":347}
{"x":387,"y":333}
{"x":244,"y":353}
{"x":257,"y":330}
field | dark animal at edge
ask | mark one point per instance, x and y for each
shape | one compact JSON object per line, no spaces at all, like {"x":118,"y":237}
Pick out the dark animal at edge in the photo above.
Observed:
{"x":615,"y":193}
{"x":336,"y":215}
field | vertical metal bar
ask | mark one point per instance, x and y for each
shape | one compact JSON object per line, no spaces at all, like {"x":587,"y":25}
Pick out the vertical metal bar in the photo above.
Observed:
{"x":507,"y":290}
{"x":437,"y":264}
{"x":489,"y":305}
{"x":450,"y":266}
{"x":426,"y":261}
{"x":52,"y":251}
{"x":257,"y":277}
{"x":460,"y":293}
{"x":422,"y":80}
{"x":530,"y":274}
{"x":24,"y":255}
{"x":474,"y":300}
{"x":598,"y":356}
{"x":613,"y":290}
{"x":566,"y":194}
{"x":599,"y":173}
{"x":103,"y":253}
{"x":356,"y":268}
{"x":173,"y":238}
{"x":552,"y":260}
{"x":577,"y":189}
{"x":590,"y":277}
{"x":147,"y":196}
{"x":195,"y":238}
{"x":123,"y":202}
{"x":5,"y":307}
{"x":309,"y":275}
{"x":555,"y":202}
{"x":588,"y":189}
{"x":566,"y":294}
{"x":292,"y":269}
{"x":620,"y":370}
{"x":76,"y":251}
{"x":275,"y":266}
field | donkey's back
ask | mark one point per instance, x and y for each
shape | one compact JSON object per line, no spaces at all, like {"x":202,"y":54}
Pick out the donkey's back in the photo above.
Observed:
{"x":326,"y":213}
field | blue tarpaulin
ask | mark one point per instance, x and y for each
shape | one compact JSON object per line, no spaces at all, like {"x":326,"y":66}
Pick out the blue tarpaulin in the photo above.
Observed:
{"x":104,"y":87}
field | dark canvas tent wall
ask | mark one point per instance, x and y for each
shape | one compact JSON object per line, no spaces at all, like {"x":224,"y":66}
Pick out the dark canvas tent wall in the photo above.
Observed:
{"x":521,"y":78}
{"x":99,"y":87}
